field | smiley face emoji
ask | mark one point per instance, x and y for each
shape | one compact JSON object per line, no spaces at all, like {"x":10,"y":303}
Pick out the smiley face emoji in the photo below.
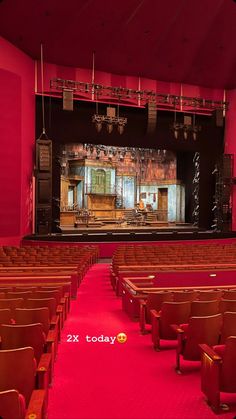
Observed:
{"x":121,"y":337}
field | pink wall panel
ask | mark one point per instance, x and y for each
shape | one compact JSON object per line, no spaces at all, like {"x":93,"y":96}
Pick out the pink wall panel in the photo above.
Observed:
{"x":17,"y":142}
{"x":10,"y":155}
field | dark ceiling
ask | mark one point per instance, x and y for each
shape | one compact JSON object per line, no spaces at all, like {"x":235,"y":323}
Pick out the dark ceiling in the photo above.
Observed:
{"x":185,"y":41}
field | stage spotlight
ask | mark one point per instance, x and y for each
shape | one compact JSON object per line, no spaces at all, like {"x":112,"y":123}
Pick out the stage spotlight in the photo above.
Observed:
{"x":120,"y":128}
{"x":176,"y":134}
{"x":98,"y":126}
{"x":109,"y":128}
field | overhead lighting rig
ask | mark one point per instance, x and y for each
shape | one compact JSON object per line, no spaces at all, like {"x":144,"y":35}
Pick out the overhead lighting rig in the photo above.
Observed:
{"x":122,"y":94}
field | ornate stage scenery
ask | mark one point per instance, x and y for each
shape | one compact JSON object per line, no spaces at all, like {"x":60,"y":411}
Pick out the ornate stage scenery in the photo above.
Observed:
{"x":107,"y":188}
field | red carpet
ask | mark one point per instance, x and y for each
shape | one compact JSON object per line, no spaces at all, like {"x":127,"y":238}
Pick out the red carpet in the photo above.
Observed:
{"x":121,"y":381}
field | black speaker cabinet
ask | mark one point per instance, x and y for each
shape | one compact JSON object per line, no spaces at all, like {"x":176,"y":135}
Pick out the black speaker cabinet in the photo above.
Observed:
{"x":43,"y":195}
{"x":227,"y":166}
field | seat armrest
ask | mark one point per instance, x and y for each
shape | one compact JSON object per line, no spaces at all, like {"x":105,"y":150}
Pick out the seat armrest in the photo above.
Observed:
{"x":44,"y":371}
{"x":51,"y":336}
{"x":142,"y":315}
{"x":37,"y":407}
{"x":177,"y":329}
{"x":44,"y":362}
{"x":155,"y":322}
{"x":155,"y":314}
{"x":51,"y":343}
{"x":210,"y":352}
{"x":210,"y":376}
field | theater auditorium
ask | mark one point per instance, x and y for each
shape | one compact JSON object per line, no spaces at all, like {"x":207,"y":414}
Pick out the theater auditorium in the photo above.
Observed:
{"x":117,"y":209}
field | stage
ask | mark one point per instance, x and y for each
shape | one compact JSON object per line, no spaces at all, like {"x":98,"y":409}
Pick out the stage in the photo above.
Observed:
{"x":114,"y":233}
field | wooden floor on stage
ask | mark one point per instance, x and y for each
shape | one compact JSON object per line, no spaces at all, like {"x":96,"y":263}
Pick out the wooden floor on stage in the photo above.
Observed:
{"x":116,"y":228}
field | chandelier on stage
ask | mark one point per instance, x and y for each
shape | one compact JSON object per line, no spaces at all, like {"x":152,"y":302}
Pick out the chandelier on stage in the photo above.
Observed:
{"x":110,"y":120}
{"x":186,"y":129}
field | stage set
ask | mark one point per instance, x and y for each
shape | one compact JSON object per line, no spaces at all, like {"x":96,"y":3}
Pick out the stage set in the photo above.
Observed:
{"x":124,"y":173}
{"x":117,"y":188}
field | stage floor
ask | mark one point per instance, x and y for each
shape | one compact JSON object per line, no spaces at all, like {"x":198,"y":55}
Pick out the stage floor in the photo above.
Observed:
{"x":116,"y":228}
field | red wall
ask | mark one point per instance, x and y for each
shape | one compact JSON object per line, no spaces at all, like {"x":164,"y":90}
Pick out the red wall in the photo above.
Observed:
{"x":17,"y":122}
{"x":230,"y":143}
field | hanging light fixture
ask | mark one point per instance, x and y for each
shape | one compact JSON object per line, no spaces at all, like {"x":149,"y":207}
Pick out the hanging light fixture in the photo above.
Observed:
{"x":110,"y":119}
{"x":109,"y":127}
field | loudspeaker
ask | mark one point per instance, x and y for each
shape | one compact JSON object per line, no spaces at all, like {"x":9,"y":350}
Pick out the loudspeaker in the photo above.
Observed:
{"x":151,"y":118}
{"x":43,"y":186}
{"x":219,"y":118}
{"x":227,"y":166}
{"x":44,"y":220}
{"x":67,"y":100}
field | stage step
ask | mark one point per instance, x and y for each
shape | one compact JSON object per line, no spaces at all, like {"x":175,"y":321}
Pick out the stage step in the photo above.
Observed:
{"x":90,"y":224}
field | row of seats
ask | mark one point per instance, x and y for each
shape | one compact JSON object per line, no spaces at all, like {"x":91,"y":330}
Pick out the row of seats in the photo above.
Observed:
{"x":202,"y":323}
{"x":33,"y":309}
{"x":30,"y":330}
{"x":196,"y":303}
{"x":47,"y":255}
{"x":189,"y":254}
{"x":199,"y":334}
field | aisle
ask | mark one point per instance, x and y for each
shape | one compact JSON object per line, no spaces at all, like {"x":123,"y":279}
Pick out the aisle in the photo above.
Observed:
{"x":117,"y":381}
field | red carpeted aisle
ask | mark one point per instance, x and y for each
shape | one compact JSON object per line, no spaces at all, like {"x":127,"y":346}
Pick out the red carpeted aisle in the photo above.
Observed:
{"x":121,"y":381}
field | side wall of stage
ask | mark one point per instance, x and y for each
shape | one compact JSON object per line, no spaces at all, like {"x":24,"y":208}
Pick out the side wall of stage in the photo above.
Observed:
{"x":17,"y":121}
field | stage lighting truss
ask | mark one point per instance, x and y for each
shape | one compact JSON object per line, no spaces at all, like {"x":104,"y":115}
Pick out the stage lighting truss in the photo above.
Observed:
{"x":123,"y":95}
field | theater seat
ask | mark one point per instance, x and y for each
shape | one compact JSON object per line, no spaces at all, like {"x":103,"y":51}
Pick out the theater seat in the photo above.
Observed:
{"x":39,"y":315}
{"x":17,"y":336}
{"x":5,"y":316}
{"x":227,"y":305}
{"x":229,"y":326}
{"x":154,"y":302}
{"x":185,"y":295}
{"x":209,"y":295}
{"x":54,"y":312}
{"x":218,"y":373}
{"x":18,"y":372}
{"x":204,"y":308}
{"x":171,"y":313}
{"x":200,"y":330}
{"x":12,"y":405}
